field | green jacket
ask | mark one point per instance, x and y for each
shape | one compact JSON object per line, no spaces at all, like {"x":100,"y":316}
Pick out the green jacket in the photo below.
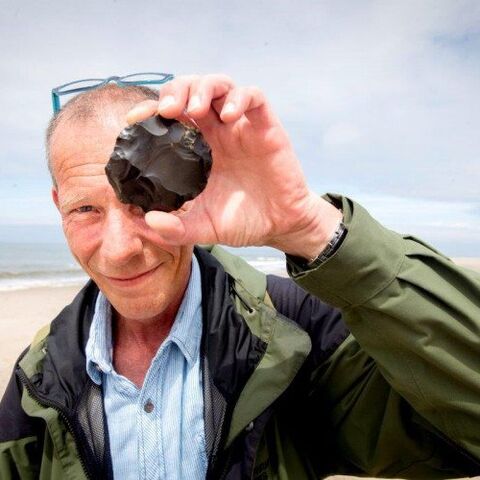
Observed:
{"x":289,"y":398}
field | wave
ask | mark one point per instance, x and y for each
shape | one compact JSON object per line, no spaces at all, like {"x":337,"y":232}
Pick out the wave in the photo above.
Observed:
{"x":38,"y":273}
{"x":22,"y":281}
{"x":32,"y":283}
{"x":268,"y":265}
{"x":52,"y":276}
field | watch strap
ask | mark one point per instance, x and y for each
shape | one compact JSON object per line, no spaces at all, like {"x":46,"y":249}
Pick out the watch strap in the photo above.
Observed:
{"x":332,"y":246}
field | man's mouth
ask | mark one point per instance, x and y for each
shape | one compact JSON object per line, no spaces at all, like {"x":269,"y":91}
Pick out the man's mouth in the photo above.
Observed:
{"x":132,"y":279}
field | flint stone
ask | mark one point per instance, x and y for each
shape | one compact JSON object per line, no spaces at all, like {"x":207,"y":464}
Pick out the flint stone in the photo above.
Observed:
{"x":159,"y":164}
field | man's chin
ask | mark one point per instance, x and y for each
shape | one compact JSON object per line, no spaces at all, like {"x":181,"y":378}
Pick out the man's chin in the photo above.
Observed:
{"x":134,"y":301}
{"x":137,"y":309}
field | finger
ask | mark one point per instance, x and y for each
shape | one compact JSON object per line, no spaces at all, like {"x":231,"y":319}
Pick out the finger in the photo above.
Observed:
{"x":262,"y":116}
{"x":208,"y":124}
{"x":142,"y":111}
{"x":251,"y":102}
{"x":168,"y":226}
{"x":218,"y":105}
{"x":206,"y":90}
{"x":174,"y":96}
{"x":185,"y":227}
{"x":241,"y":101}
{"x":148,"y":108}
{"x":186,"y":120}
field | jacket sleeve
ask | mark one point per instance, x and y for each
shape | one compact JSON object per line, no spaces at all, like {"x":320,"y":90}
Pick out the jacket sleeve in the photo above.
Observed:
{"x":416,"y":316}
{"x":19,"y":446}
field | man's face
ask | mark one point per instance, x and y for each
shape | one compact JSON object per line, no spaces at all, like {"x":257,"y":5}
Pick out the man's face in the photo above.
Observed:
{"x":141,"y":276}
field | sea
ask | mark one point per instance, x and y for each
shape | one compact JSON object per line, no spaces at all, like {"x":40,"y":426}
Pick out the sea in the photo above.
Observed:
{"x":38,"y":256}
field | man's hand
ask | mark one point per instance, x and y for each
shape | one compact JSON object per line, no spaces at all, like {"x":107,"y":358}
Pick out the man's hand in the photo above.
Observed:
{"x":256,"y":193}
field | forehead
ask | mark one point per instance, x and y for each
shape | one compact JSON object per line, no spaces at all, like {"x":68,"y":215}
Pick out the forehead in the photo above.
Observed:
{"x":80,"y":148}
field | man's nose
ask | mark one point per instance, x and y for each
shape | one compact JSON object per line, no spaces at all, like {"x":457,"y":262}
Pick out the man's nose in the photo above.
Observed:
{"x":121,"y":237}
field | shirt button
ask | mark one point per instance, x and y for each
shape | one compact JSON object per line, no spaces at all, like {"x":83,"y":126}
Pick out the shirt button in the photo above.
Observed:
{"x":148,"y":407}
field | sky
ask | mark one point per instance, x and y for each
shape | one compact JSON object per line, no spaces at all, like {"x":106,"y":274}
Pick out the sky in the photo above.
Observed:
{"x":380,"y":98}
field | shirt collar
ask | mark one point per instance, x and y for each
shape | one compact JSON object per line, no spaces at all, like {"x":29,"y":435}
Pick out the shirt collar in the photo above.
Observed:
{"x":186,"y":330}
{"x":99,"y":345}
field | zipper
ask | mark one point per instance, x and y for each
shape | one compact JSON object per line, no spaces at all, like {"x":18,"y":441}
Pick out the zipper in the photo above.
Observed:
{"x":224,"y":471}
{"x":225,"y":422}
{"x":30,"y":389}
{"x":242,"y":300}
{"x":214,"y":458}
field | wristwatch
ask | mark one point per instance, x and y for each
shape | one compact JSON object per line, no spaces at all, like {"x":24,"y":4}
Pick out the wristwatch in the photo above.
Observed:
{"x":332,"y":246}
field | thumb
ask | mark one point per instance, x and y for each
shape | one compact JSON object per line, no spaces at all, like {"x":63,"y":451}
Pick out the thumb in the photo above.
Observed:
{"x":167,"y":225}
{"x":141,"y":111}
{"x":181,"y":227}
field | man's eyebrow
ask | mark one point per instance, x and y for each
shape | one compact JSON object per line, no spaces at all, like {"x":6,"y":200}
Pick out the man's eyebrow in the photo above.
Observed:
{"x":73,"y":200}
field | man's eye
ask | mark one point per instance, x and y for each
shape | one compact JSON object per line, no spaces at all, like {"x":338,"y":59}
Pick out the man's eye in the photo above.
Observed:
{"x":84,"y":209}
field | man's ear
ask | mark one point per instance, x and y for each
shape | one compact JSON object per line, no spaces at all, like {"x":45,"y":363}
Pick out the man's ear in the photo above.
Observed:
{"x":55,"y":198}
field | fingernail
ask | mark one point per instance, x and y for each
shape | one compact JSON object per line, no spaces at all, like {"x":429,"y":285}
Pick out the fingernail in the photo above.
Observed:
{"x":166,"y":102}
{"x":131,"y":116}
{"x":194,"y":103}
{"x":229,"y":108}
{"x":134,"y":111}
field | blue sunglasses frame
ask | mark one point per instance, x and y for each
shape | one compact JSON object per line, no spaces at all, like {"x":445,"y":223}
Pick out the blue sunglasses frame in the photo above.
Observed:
{"x":76,"y":85}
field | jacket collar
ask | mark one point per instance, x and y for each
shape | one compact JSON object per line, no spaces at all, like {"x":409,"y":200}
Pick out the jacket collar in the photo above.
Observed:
{"x":278,"y":346}
{"x":252,"y":353}
{"x":55,"y":366}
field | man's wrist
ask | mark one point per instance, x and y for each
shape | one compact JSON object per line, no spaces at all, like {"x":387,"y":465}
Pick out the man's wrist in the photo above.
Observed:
{"x":332,"y":246}
{"x":308,"y":242}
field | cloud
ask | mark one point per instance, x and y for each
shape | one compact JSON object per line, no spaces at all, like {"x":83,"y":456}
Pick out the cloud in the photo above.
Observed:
{"x":378,"y":97}
{"x":451,"y":226}
{"x":341,"y":134}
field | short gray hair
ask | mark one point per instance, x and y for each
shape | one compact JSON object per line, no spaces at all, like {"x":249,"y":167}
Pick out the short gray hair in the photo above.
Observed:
{"x":87,"y":105}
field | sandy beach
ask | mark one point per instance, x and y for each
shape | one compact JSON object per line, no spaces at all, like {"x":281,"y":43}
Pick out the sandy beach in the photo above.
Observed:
{"x":25,"y":311}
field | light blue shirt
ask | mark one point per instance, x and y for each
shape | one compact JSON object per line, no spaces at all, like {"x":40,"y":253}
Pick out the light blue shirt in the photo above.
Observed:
{"x":156,"y":432}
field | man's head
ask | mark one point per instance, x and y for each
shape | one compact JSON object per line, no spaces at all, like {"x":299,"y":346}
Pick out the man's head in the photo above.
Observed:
{"x":141,"y":276}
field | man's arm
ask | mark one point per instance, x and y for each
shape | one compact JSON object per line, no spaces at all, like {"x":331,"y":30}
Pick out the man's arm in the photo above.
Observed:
{"x":411,"y":309}
{"x":256,"y":192}
{"x":416,"y":313}
{"x":18,"y":436}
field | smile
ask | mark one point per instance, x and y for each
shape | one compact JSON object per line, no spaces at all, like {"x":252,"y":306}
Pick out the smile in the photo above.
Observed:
{"x":134,"y":280}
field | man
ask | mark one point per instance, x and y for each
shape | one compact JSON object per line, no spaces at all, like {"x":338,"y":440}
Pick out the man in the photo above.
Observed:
{"x":186,"y":366}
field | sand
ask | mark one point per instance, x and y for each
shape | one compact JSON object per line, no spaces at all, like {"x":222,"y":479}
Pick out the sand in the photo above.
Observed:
{"x":23,"y":312}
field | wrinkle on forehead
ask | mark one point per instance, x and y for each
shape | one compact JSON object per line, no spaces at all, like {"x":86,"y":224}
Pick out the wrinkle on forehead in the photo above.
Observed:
{"x":80,"y":165}
{"x":86,"y":142}
{"x":92,"y":193}
{"x":72,"y":171}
